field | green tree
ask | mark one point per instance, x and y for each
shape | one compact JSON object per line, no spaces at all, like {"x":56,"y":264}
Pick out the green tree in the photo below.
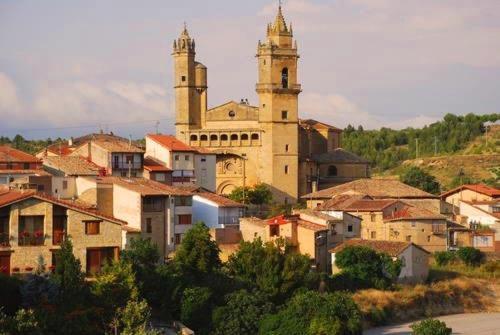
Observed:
{"x":260,"y":195}
{"x":68,"y":275}
{"x":240,"y":194}
{"x":241,"y":313}
{"x":470,"y":256}
{"x":313,"y":313}
{"x":430,"y":327}
{"x":24,"y":322}
{"x":195,"y":308}
{"x":416,"y":177}
{"x":198,"y":253}
{"x":135,"y":318}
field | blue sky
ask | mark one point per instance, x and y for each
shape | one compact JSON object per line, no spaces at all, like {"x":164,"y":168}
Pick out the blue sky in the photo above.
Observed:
{"x":70,"y":67}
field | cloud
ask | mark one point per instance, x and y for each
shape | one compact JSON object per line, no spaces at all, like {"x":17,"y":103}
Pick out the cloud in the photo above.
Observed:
{"x":9,"y":100}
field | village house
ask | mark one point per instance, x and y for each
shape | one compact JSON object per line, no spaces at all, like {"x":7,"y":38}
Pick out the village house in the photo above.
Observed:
{"x":33,"y":225}
{"x":73,"y":177}
{"x":214,"y":210}
{"x":157,"y":171}
{"x":310,"y":233}
{"x":415,"y":260}
{"x":152,"y":210}
{"x":189,"y":166}
{"x":21,"y":170}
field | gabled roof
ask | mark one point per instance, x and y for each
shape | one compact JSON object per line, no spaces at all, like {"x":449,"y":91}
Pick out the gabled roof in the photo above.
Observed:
{"x":171,"y":143}
{"x":219,"y":200}
{"x":144,"y":186}
{"x":311,"y":225}
{"x":9,"y":154}
{"x":341,"y":201}
{"x":231,"y":102}
{"x":479,"y":188}
{"x":339,"y":155}
{"x":13,"y":196}
{"x":414,"y":213}
{"x":153,"y":165}
{"x":375,"y":188}
{"x":72,"y":165}
{"x":392,"y":248}
{"x":369,"y":205}
{"x":310,"y":123}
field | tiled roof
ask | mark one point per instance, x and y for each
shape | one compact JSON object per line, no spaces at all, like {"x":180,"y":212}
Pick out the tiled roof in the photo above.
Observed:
{"x":151,"y":164}
{"x":479,"y":188}
{"x":281,"y":219}
{"x":144,"y":186}
{"x":219,"y":200}
{"x":30,"y":172}
{"x":60,"y":149}
{"x":117,"y":144}
{"x":311,"y":225}
{"x":375,"y":188}
{"x":72,"y":165}
{"x":13,"y":196}
{"x":341,"y":201}
{"x":392,"y":248}
{"x":339,"y":155}
{"x":414,"y":213}
{"x":317,"y":214}
{"x":9,"y":154}
{"x":369,"y":205}
{"x":171,"y":143}
{"x":317,"y":125}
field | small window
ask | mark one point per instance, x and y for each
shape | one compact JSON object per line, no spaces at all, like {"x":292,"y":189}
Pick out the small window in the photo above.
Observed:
{"x":332,"y":170}
{"x":176,"y":157}
{"x":234,"y":137}
{"x":178,"y":238}
{"x":26,"y":166}
{"x":223,"y":137}
{"x":284,"y":77}
{"x":203,"y":138}
{"x":274,"y":230}
{"x":429,"y":238}
{"x":214,"y":137}
{"x":408,"y":238}
{"x":373,"y":235}
{"x":286,"y":147}
{"x":194,"y":138}
{"x":232,"y":113}
{"x":65,"y":185}
{"x":263,"y":105}
{"x":149,"y":227}
{"x":244,"y":137}
{"x":373,"y":217}
{"x":184,"y":219}
{"x":286,"y":169}
{"x":284,"y":115}
{"x":186,"y":158}
{"x":264,"y":61}
{"x":123,"y":173}
{"x":413,"y":223}
{"x":350,"y":228}
{"x":92,"y":227}
{"x":203,"y":159}
{"x":255,"y":136}
{"x":183,"y":78}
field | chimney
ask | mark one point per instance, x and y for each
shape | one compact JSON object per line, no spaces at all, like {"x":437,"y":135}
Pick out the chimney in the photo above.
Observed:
{"x":70,"y":142}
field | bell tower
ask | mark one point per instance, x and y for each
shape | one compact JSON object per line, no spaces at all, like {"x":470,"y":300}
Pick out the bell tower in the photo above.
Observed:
{"x":190,"y":85}
{"x":278,"y":92}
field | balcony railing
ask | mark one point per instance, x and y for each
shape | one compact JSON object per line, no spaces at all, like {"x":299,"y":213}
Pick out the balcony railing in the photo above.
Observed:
{"x":126,"y":165}
{"x":438,"y":228}
{"x":229,"y":220}
{"x":31,"y":238}
{"x":4,"y":239}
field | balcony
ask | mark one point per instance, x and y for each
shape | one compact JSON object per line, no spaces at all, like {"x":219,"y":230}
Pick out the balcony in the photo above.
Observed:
{"x":5,"y":239}
{"x":439,"y":229}
{"x":229,"y":220}
{"x":126,"y":165}
{"x":31,"y":238}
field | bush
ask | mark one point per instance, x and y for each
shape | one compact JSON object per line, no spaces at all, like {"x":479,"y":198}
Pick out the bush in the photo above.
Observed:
{"x":430,"y":327}
{"x":195,"y":307}
{"x":470,"y":256}
{"x":444,"y":257}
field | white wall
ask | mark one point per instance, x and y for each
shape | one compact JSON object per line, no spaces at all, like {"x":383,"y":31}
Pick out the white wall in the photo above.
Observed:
{"x":127,"y":206}
{"x":155,"y":150}
{"x":205,"y":171}
{"x":476,"y":215}
{"x":85,"y":183}
{"x":206,"y":211}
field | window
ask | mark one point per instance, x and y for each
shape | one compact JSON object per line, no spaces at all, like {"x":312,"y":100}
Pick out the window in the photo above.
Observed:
{"x":186,"y":158}
{"x":223,"y":137}
{"x":286,"y":147}
{"x":59,"y":224}
{"x":183,"y":201}
{"x":350,"y":228}
{"x":286,"y":169}
{"x":178,"y":238}
{"x":408,"y":238}
{"x":65,"y":185}
{"x":92,"y":227}
{"x":203,"y":138}
{"x":193,"y":138}
{"x":184,"y":219}
{"x":332,"y":170}
{"x":373,"y":235}
{"x":413,"y":223}
{"x":284,"y":77}
{"x":373,"y":217}
{"x":429,"y":238}
{"x":244,"y":137}
{"x":149,"y":228}
{"x":183,"y":78}
{"x":274,"y":230}
{"x":284,"y":115}
{"x":26,"y":166}
{"x":31,"y":230}
{"x":152,"y":204}
{"x":203,"y":159}
{"x":176,"y":157}
{"x":123,"y":173}
{"x":232,"y":114}
{"x":255,"y":136}
{"x":98,"y":257}
{"x":213,"y":137}
{"x":129,"y":159}
{"x":160,"y":177}
{"x":234,"y":137}
{"x":40,"y":188}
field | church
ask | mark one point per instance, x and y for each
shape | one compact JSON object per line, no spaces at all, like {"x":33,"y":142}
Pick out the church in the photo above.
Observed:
{"x":267,"y":143}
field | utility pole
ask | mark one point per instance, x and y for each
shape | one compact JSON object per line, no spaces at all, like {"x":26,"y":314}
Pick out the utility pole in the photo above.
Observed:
{"x":435,"y":145}
{"x":416,"y":148}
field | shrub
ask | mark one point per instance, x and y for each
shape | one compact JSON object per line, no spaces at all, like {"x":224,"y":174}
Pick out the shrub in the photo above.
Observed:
{"x":470,"y":256}
{"x":195,"y":304}
{"x":444,"y":257}
{"x":430,"y":327}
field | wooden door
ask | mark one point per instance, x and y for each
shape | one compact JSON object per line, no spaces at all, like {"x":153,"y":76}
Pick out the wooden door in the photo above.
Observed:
{"x":5,"y":264}
{"x":93,"y":261}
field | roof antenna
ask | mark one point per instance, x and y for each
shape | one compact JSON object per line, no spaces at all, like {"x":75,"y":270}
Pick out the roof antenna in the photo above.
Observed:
{"x":157,"y":127}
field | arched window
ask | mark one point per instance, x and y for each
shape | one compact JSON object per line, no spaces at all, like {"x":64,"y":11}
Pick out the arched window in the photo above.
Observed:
{"x":255,"y":136}
{"x":213,"y":137}
{"x":223,"y":137}
{"x":332,"y":170}
{"x":234,"y":137}
{"x":203,"y":138}
{"x":194,"y":138}
{"x":244,"y":137}
{"x":284,"y":77}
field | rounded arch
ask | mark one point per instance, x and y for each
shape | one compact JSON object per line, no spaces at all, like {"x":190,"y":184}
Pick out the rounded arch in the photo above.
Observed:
{"x":214,"y":137}
{"x":193,"y":137}
{"x":234,"y":137}
{"x":332,"y":171}
{"x":244,"y":137}
{"x":284,"y":77}
{"x":226,"y":187}
{"x":223,"y":137}
{"x":255,"y":136}
{"x":203,"y":138}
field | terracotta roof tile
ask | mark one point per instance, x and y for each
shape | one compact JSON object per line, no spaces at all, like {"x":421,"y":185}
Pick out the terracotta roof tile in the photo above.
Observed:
{"x":30,"y":172}
{"x":171,"y":143}
{"x":219,"y":200}
{"x":154,"y":165}
{"x":479,"y":188}
{"x":144,"y":186}
{"x":392,"y":248}
{"x":311,"y":225}
{"x":339,"y":202}
{"x":72,"y":165}
{"x":9,"y":154}
{"x":414,"y":213}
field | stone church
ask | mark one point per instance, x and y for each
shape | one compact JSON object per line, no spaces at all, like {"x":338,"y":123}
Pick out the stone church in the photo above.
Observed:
{"x":267,"y":143}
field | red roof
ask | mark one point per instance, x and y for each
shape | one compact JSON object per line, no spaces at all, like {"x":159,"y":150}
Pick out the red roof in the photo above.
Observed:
{"x":280,"y":219}
{"x":369,"y":205}
{"x":9,"y":154}
{"x":153,"y":165}
{"x":414,"y":213}
{"x":171,"y":143}
{"x":479,"y":188}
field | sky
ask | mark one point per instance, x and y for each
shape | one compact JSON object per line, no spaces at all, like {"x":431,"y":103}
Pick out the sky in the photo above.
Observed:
{"x":72,"y":67}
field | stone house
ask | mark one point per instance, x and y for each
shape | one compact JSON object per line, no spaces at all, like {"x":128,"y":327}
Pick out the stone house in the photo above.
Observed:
{"x":152,"y":210}
{"x":415,"y":260}
{"x":33,"y":225}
